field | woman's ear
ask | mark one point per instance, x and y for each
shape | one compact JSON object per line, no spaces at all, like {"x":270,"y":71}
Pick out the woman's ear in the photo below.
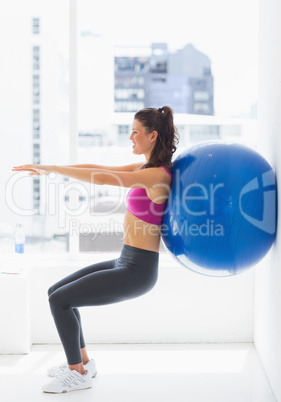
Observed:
{"x":154,"y":135}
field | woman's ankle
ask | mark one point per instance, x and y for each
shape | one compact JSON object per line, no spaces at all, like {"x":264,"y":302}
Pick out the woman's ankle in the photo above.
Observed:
{"x":84,"y":355}
{"x":77,"y":367}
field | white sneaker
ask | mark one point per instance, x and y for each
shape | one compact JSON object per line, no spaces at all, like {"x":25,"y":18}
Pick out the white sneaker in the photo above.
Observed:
{"x":68,"y":380}
{"x":90,"y":366}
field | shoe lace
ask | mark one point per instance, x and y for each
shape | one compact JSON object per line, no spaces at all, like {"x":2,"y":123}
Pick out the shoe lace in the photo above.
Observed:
{"x":61,"y":373}
{"x":63,"y":367}
{"x":70,"y":377}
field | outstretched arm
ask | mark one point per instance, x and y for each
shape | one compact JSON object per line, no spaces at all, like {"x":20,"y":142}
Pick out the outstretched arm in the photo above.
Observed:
{"x":126,"y":168}
{"x":140,"y":178}
{"x":89,"y":175}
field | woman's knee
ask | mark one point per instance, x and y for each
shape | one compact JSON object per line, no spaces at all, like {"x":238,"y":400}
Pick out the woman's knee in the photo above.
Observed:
{"x":59,"y":300}
{"x":51,"y":290}
{"x":55,"y":302}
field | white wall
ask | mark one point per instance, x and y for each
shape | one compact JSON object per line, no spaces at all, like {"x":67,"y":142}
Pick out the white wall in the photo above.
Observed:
{"x":267,"y":329}
{"x":183,"y":307}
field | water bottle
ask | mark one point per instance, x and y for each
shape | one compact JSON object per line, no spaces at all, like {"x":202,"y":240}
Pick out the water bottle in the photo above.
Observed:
{"x":19,"y":239}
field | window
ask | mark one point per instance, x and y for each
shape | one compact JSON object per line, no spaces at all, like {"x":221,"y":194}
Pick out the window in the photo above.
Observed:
{"x":123,"y":129}
{"x":201,"y":108}
{"x":36,"y":58}
{"x":128,"y":106}
{"x":35,"y":25}
{"x":36,"y":89}
{"x":201,"y":96}
{"x":115,"y":66}
{"x":129,"y":93}
{"x":204,"y":132}
{"x":36,"y":122}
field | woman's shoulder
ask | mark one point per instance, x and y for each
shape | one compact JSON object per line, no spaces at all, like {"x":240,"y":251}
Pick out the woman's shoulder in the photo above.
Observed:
{"x":167,"y":170}
{"x":160,"y":166}
{"x":161,"y":169}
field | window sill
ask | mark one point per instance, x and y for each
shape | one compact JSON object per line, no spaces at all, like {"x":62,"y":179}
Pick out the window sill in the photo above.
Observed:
{"x":12,"y":262}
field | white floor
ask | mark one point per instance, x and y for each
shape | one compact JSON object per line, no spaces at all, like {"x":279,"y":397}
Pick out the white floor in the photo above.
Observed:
{"x":145,"y":373}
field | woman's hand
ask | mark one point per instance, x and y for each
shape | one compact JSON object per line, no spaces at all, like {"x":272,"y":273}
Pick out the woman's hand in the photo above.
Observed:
{"x":34,"y":170}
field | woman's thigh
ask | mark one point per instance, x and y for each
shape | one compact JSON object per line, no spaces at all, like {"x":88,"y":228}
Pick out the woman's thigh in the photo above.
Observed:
{"x":94,"y":289}
{"x":106,"y":286}
{"x":100,"y":266}
{"x":131,"y":275}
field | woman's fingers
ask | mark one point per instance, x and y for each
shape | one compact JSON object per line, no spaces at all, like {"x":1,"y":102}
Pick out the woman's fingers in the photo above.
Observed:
{"x":34,"y":170}
{"x":22,"y":170}
{"x":31,"y":168}
{"x":23,"y":167}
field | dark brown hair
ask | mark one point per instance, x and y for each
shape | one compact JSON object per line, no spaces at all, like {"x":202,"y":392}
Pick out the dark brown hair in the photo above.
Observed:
{"x":162,"y":121}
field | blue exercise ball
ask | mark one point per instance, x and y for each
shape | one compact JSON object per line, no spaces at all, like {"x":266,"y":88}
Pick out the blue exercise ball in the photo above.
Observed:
{"x":221,"y":213}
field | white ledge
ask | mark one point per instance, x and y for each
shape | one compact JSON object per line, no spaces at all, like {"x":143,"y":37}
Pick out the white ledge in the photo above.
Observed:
{"x":13,"y":260}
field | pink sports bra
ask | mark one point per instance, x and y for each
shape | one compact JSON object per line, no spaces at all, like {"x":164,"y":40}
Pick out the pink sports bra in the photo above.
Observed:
{"x":143,"y":208}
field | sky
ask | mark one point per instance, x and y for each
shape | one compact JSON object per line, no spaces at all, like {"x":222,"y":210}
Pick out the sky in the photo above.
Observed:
{"x":225,"y":30}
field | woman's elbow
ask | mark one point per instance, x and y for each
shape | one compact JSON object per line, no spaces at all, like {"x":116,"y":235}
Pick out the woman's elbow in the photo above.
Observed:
{"x":97,"y":179}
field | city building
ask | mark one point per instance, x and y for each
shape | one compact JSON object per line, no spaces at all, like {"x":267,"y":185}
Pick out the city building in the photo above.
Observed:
{"x":196,"y":67}
{"x":181,"y":79}
{"x":130,"y":80}
{"x":36,"y":104}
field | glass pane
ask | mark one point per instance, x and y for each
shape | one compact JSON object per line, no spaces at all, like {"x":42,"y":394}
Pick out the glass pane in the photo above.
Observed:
{"x":34,"y":121}
{"x":188,"y":55}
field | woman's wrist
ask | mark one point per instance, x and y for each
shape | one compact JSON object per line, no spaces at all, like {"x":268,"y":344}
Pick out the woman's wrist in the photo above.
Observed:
{"x":52,"y":168}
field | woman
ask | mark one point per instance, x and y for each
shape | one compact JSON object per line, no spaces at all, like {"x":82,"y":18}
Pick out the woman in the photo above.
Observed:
{"x":135,"y":271}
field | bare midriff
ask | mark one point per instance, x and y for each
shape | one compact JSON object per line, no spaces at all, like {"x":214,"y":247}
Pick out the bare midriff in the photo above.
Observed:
{"x":141,"y":234}
{"x":138,"y":233}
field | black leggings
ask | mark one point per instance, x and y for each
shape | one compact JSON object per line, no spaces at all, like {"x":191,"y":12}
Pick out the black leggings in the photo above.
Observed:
{"x":131,"y":275}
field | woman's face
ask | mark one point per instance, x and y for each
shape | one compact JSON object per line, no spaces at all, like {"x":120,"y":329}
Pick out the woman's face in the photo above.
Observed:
{"x":143,"y":142}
